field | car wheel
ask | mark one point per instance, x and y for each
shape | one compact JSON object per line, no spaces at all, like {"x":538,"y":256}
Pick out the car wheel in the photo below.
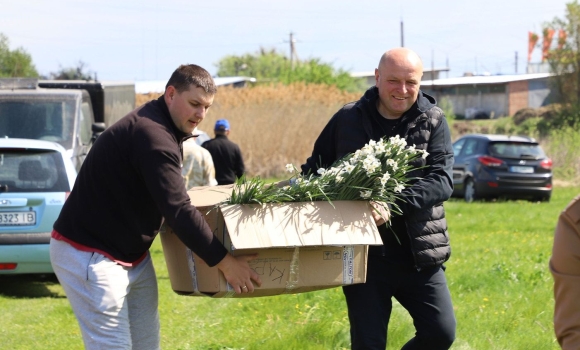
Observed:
{"x":469,"y":195}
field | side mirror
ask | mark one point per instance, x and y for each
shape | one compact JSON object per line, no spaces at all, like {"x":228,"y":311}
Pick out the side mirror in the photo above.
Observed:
{"x":97,"y":129}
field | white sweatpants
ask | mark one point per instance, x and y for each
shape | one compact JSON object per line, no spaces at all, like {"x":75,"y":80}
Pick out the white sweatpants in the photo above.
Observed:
{"x":116,"y":306}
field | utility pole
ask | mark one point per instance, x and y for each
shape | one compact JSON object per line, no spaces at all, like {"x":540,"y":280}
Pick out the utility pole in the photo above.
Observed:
{"x":293,"y":54}
{"x":402,"y":35}
{"x":516,"y":63}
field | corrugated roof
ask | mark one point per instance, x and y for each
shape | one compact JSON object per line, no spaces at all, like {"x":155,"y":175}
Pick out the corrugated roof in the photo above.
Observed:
{"x":484,"y":79}
{"x":146,"y":86}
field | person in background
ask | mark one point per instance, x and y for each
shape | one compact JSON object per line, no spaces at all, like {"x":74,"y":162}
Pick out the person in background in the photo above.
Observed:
{"x":409,"y":266}
{"x":226,"y":155}
{"x":198,"y":169}
{"x":129,"y":184}
{"x":565,"y":269}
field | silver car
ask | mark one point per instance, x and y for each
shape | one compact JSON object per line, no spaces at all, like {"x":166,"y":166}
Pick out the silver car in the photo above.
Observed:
{"x":36,"y":178}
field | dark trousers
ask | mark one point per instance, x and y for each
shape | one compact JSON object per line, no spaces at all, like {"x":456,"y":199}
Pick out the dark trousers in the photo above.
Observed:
{"x":423,"y":294}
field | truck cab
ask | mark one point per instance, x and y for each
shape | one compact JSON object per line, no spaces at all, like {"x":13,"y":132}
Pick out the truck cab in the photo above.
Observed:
{"x":71,"y":113}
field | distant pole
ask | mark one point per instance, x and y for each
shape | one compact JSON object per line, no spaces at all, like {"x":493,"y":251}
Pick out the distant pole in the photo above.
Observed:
{"x":447,"y":66}
{"x":432,"y":70}
{"x":293,"y":54}
{"x":516,"y":63}
{"x":402,"y":34}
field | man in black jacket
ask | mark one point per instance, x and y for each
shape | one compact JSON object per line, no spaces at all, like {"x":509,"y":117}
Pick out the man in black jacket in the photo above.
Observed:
{"x":226,"y":155}
{"x":128,"y":184}
{"x":409,"y":266}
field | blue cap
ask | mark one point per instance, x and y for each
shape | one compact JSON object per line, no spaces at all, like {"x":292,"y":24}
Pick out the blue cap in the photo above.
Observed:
{"x":222,"y":124}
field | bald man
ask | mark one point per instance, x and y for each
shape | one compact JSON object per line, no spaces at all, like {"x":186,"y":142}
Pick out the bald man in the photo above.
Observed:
{"x":409,"y":266}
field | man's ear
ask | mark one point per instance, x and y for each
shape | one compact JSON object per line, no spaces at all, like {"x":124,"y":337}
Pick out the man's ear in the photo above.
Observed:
{"x":169,"y":94}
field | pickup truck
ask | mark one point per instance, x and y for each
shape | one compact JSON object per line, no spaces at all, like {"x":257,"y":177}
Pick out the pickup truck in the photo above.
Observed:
{"x":70,"y":112}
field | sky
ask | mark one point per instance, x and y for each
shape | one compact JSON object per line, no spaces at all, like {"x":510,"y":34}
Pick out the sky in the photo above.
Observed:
{"x":146,"y":39}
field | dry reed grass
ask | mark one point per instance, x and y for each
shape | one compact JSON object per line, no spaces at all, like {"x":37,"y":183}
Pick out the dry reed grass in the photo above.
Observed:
{"x":273,"y":124}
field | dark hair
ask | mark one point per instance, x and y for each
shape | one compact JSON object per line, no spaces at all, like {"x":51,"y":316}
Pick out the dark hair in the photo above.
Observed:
{"x":191,"y":74}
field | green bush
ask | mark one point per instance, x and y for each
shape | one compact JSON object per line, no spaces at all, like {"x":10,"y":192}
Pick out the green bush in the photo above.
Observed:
{"x":563,"y":146}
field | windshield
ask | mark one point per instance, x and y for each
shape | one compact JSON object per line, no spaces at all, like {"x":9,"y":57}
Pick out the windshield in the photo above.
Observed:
{"x":29,"y":170}
{"x":51,"y":120}
{"x":518,"y":150}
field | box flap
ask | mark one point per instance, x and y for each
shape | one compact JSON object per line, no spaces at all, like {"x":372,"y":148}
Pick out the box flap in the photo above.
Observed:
{"x":301,"y":224}
{"x":207,"y":196}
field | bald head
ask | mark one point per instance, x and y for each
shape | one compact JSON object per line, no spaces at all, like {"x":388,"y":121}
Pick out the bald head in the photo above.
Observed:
{"x":398,"y":79}
{"x":401,"y":56}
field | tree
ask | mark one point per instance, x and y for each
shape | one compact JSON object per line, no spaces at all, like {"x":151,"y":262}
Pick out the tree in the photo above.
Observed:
{"x":73,"y":73}
{"x":272,"y":66}
{"x":564,"y":61}
{"x":15,"y":63}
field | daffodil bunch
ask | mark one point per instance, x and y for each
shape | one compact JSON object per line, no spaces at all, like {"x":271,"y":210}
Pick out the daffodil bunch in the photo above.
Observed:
{"x":377,"y":172}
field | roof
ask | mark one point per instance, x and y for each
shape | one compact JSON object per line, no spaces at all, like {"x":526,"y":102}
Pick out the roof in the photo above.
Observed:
{"x":498,"y":137}
{"x":371,"y":73}
{"x":29,"y":143}
{"x":146,"y":86}
{"x":485,"y":79}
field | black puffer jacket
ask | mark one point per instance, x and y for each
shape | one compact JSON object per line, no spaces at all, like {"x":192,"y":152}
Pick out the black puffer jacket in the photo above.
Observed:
{"x":424,"y":126}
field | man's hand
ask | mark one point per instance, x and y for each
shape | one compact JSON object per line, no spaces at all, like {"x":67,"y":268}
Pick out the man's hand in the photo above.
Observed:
{"x":238,"y":273}
{"x":381,"y":212}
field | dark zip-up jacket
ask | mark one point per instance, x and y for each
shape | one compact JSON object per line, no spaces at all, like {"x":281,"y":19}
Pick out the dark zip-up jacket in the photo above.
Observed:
{"x":423,"y":125}
{"x":227,"y":159}
{"x":129,"y":181}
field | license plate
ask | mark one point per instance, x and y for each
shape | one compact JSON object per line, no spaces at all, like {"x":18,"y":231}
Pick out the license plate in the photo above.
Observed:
{"x":522,"y":169}
{"x":17,"y":218}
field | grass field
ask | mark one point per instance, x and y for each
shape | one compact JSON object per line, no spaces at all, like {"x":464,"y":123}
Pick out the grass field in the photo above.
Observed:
{"x":498,"y":276}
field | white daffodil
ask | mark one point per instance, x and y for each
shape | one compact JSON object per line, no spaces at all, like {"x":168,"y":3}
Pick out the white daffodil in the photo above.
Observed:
{"x":385,"y":178}
{"x":366,"y":194}
{"x":290,"y":168}
{"x":348,"y":168}
{"x":380,"y":148}
{"x":370,"y":164}
{"x":425,"y":154}
{"x":321,"y":171}
{"x":399,"y":188}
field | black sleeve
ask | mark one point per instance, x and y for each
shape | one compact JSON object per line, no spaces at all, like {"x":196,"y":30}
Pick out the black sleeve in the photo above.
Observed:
{"x":324,"y":151}
{"x":159,"y":161}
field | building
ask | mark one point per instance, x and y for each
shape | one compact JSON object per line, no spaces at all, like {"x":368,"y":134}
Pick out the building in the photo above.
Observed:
{"x":158,"y":86}
{"x":369,"y":76}
{"x":491,"y":96}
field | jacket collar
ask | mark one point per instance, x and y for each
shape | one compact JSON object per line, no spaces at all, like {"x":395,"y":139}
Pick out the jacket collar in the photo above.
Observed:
{"x":180,"y":135}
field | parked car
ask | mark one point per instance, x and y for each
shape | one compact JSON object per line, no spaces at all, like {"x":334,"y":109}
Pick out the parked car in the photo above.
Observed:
{"x":492,"y":166}
{"x":202,"y":136}
{"x":36,"y":178}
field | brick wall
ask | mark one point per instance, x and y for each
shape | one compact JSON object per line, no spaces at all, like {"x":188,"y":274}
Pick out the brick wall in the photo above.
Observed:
{"x":518,"y":96}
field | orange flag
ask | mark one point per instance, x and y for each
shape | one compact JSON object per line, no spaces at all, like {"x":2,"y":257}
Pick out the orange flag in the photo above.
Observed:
{"x":532,"y":40}
{"x":561,"y":39}
{"x":548,"y":35}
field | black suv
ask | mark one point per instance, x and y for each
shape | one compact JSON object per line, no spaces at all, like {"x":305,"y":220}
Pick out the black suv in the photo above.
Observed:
{"x":492,"y":166}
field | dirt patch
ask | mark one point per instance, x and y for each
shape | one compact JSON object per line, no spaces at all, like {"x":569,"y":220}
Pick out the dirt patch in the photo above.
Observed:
{"x":468,"y":127}
{"x":548,"y":112}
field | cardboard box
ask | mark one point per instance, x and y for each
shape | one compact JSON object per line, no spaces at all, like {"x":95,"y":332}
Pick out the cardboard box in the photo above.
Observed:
{"x":301,"y":247}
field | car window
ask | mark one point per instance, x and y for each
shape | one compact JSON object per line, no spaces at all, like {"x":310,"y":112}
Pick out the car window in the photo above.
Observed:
{"x":86,"y":123}
{"x":516,"y":150}
{"x":42,"y":119}
{"x":470,"y":147}
{"x":457,"y":146}
{"x":32,"y":171}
